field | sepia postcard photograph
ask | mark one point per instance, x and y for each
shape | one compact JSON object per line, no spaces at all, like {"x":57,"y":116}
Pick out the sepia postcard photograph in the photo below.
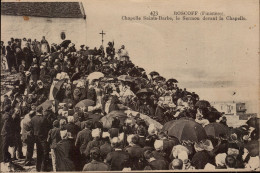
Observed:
{"x":129,"y":85}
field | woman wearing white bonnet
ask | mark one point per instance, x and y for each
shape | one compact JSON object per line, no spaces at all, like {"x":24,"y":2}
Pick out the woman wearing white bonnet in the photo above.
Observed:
{"x":220,"y":160}
{"x":177,"y":149}
{"x":96,"y":142}
{"x":96,"y":133}
{"x":152,"y":129}
{"x":158,"y":145}
{"x":64,"y":134}
{"x":253,"y":164}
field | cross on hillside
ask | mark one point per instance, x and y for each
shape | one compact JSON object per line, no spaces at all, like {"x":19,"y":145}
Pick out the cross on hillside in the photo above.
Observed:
{"x":102,"y":33}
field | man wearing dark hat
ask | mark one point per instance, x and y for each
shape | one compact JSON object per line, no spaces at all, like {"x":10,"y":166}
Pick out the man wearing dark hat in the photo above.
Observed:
{"x":95,"y":164}
{"x":135,"y":152}
{"x":82,"y":48}
{"x":10,"y":56}
{"x":45,"y":47}
{"x":84,"y":136}
{"x":117,"y":159}
{"x":17,"y":136}
{"x":110,"y":50}
{"x":154,"y":164}
{"x":54,"y":134}
{"x":5,"y":102}
{"x":35,"y":72}
{"x":28,"y":56}
{"x":40,"y":128}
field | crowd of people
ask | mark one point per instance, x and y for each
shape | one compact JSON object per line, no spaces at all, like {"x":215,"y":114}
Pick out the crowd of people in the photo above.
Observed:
{"x":72,"y":104}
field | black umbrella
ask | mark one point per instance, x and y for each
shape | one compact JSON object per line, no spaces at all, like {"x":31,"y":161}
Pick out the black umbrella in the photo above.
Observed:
{"x":86,"y":102}
{"x":159,"y":78}
{"x":141,"y":69}
{"x":253,"y":148}
{"x":172,"y":80}
{"x":144,"y":90}
{"x":140,"y":80}
{"x":153,"y":73}
{"x":253,"y":122}
{"x":125,"y":78}
{"x":202,"y":104}
{"x":186,"y":130}
{"x":216,"y":129}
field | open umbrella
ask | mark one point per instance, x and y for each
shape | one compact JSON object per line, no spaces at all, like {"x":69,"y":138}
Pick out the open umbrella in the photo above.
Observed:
{"x":86,"y":102}
{"x":253,"y":122}
{"x":202,"y":104}
{"x":167,"y":125}
{"x":46,"y":105}
{"x":95,"y":75}
{"x":114,"y":114}
{"x":126,"y":78}
{"x":141,"y":69}
{"x":186,"y":129}
{"x":172,"y":80}
{"x":144,"y":91}
{"x":157,"y":78}
{"x":140,"y":80}
{"x":253,"y":148}
{"x":153,"y":73}
{"x":57,"y":87}
{"x":216,"y":129}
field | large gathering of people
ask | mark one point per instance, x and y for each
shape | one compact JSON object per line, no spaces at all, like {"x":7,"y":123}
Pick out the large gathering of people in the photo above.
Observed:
{"x":84,"y":109}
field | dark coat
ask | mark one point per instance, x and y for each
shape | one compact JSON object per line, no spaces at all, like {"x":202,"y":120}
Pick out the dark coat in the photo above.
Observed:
{"x":65,"y":155}
{"x":82,"y":140}
{"x":159,"y":155}
{"x":105,"y":149}
{"x":200,"y":159}
{"x":118,"y":160}
{"x":35,"y":73}
{"x":114,"y":132}
{"x":8,"y":124}
{"x":54,"y":137}
{"x":144,"y":108}
{"x":142,"y":141}
{"x":96,"y":166}
{"x":10,"y":54}
{"x":91,"y":94}
{"x":28,"y":56}
{"x":157,"y":165}
{"x":135,"y":153}
{"x":5,"y":102}
{"x":92,"y":144}
{"x":40,"y":126}
{"x":21,"y":69}
{"x":160,"y":115}
{"x":73,"y":129}
{"x":168,"y":144}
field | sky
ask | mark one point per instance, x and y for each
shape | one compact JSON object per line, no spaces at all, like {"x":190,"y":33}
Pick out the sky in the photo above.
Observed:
{"x":212,"y":58}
